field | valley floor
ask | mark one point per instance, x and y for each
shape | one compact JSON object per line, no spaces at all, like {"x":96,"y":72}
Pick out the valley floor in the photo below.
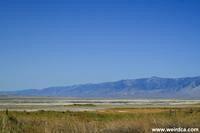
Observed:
{"x":69,"y":104}
{"x":61,"y":115}
{"x":126,"y":120}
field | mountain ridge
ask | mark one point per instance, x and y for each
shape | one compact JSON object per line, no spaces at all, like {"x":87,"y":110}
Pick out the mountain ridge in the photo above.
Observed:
{"x":153,"y":87}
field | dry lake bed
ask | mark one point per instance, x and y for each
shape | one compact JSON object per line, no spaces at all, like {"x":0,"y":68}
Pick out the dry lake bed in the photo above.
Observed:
{"x":71,"y":104}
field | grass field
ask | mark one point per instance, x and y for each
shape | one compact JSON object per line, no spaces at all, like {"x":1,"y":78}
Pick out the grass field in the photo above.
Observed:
{"x":116,"y":120}
{"x":63,"y":115}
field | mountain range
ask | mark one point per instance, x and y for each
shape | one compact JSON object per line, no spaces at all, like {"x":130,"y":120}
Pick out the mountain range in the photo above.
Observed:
{"x":153,"y":87}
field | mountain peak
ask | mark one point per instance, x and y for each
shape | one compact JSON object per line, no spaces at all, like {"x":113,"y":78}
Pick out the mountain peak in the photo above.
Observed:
{"x":153,"y":87}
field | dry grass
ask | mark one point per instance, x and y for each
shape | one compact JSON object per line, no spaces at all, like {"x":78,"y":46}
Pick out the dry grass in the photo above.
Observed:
{"x":107,"y":121}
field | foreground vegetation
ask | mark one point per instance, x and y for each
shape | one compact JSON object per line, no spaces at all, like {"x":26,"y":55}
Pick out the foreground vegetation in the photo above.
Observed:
{"x":119,"y":120}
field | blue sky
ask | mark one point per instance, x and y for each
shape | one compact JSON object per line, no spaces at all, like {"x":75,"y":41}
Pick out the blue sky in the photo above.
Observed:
{"x":62,"y":42}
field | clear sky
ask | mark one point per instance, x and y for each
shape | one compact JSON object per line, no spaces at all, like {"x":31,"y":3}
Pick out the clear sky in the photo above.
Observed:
{"x":62,"y":42}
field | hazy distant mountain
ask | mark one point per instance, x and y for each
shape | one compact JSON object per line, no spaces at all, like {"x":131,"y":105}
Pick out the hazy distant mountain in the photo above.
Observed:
{"x":154,"y":87}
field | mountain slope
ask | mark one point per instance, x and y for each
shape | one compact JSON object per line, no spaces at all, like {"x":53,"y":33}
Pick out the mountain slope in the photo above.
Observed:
{"x":153,"y":87}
